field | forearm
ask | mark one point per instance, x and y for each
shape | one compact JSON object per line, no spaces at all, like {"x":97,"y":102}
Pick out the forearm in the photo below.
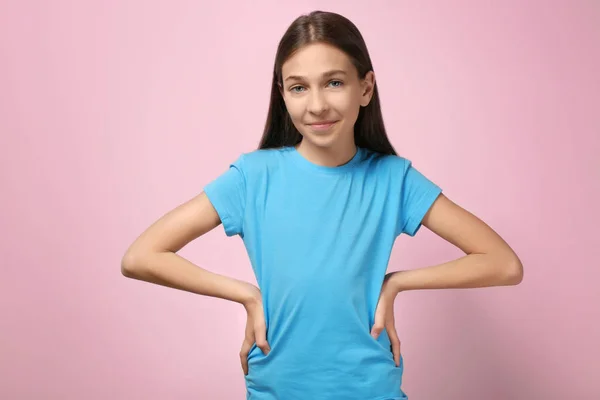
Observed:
{"x":471,"y":271}
{"x":171,"y":270}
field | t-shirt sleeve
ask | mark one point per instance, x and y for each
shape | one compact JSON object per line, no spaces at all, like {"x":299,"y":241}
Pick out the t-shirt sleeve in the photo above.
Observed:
{"x":227,"y":194}
{"x":418,"y":193}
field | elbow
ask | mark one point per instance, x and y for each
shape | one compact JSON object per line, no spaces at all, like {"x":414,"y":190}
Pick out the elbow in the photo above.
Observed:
{"x":130,"y":265}
{"x":513,"y":271}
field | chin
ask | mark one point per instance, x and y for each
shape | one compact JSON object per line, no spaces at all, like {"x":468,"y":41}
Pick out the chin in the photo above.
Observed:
{"x":323,"y":141}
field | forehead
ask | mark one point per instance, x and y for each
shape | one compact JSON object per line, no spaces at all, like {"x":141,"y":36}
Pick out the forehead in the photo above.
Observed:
{"x":315,"y":59}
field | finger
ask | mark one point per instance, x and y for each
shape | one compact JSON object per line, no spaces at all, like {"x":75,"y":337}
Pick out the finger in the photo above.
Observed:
{"x":246,"y":346}
{"x":260,"y":333}
{"x":395,"y":347}
{"x":394,"y":340}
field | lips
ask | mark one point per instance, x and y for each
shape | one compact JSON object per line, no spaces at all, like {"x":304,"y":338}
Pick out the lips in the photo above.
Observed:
{"x":322,"y":125}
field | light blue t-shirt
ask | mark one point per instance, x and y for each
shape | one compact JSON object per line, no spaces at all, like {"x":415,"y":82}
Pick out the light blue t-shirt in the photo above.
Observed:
{"x":319,"y":240}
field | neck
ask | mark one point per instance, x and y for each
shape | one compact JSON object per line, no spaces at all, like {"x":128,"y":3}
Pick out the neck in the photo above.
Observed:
{"x":333,"y":156}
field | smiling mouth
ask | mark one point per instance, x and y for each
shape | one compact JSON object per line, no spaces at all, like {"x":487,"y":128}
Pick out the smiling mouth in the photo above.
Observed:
{"x":321,"y":126}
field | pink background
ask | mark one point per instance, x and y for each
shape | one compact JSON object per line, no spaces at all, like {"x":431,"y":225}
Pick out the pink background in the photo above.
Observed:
{"x":114,"y":112}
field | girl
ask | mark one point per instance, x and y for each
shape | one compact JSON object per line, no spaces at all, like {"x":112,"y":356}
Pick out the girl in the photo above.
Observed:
{"x":319,"y":206}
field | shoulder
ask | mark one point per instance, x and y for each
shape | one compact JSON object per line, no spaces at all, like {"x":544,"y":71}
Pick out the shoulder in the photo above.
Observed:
{"x":388,"y":163}
{"x":255,"y":161}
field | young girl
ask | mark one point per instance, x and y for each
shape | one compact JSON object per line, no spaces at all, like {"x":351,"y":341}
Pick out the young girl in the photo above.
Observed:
{"x":319,"y":206}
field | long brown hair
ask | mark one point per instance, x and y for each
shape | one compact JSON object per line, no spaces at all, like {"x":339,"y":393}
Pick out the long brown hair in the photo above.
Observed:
{"x":338,"y":31}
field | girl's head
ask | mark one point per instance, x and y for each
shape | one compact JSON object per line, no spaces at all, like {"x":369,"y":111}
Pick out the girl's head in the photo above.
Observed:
{"x":322,"y":75}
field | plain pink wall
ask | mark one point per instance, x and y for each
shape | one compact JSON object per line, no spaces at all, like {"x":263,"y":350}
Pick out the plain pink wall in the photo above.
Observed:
{"x":114,"y":112}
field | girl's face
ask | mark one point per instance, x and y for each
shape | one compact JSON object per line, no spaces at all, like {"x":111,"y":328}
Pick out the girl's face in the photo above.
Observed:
{"x":323,"y":94}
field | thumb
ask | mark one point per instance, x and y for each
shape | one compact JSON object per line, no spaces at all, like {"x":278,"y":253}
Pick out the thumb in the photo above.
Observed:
{"x":378,"y":325}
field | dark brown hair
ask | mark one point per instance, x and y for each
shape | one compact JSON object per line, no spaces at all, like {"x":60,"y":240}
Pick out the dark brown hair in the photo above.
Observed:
{"x":338,"y":31}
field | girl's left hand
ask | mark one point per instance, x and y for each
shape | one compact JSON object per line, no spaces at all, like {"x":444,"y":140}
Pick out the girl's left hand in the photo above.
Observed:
{"x":384,"y":317}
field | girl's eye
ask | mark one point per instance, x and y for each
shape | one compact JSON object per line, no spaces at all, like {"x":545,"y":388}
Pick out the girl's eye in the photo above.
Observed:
{"x":299,"y":89}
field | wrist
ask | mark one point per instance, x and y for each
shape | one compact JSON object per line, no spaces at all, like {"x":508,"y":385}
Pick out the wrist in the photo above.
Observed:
{"x":395,"y":281}
{"x":252,"y":296}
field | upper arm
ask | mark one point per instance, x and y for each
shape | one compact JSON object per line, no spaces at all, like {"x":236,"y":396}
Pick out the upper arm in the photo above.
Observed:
{"x":175,"y":229}
{"x":417,"y":194}
{"x":464,"y":230}
{"x":221,"y":202}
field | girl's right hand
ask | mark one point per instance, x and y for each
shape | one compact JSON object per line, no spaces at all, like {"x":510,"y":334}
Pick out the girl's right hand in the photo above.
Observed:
{"x":256,"y":331}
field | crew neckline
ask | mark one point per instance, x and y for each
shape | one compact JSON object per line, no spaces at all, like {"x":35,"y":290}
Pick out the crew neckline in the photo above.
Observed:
{"x":301,"y":160}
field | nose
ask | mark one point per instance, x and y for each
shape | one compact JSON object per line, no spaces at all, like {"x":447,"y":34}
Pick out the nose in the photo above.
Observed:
{"x":317,"y":103}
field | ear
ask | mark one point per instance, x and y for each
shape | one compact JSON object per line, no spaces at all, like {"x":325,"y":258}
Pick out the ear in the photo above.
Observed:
{"x":367,"y":88}
{"x":280,"y":88}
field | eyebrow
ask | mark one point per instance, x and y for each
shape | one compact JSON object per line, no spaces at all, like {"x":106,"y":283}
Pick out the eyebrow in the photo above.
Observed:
{"x":325,"y":75}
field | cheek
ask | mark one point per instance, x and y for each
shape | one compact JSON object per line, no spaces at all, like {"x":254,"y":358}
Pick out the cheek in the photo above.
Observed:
{"x":346,"y":104}
{"x":294,"y":108}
